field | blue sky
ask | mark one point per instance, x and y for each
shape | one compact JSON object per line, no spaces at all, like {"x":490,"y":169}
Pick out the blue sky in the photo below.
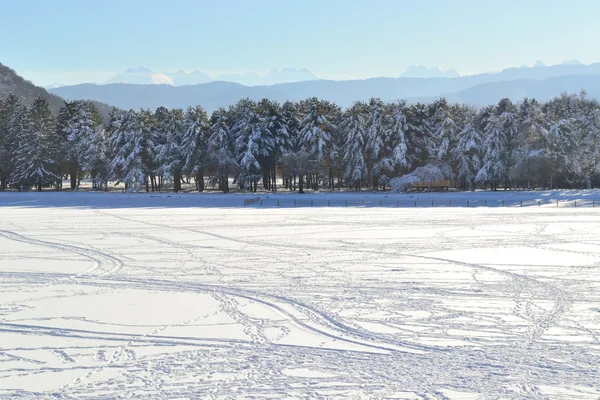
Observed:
{"x":78,"y":41}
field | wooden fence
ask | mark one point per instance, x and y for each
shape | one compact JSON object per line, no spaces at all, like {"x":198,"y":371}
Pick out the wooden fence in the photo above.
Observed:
{"x":257,"y":201}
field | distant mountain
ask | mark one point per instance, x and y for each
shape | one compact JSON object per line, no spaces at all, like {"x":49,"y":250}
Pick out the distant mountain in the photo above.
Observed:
{"x":141,"y":76}
{"x":248,"y":79}
{"x":128,"y":96}
{"x":53,"y":85}
{"x":542,"y":90}
{"x":421,"y":71}
{"x":183,"y":77}
{"x":145,"y":76}
{"x":512,"y":82}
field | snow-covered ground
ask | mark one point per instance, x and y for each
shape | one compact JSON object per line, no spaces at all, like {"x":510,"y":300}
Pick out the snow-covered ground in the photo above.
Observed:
{"x":195,"y":296}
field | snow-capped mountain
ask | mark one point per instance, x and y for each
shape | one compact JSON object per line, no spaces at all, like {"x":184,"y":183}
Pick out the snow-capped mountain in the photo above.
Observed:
{"x":183,"y":77}
{"x":421,"y":71}
{"x":145,"y":76}
{"x":54,"y":85}
{"x":141,"y":76}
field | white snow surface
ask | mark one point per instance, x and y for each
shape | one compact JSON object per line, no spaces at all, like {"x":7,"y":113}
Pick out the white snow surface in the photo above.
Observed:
{"x":194,"y":296}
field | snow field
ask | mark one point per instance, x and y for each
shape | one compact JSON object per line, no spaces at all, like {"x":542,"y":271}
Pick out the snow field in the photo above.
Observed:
{"x":132,"y":296}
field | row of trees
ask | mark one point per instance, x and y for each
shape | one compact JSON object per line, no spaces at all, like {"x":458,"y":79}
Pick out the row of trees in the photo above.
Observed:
{"x":309,"y":144}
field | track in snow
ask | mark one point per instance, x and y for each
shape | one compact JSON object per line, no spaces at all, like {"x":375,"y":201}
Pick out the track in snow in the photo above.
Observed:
{"x":317,"y":303}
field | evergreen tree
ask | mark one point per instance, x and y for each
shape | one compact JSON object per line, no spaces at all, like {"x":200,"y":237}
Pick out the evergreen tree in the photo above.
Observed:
{"x":130,"y":146}
{"x":247,"y":130}
{"x":353,"y":125}
{"x":8,"y":142}
{"x":195,"y":144}
{"x":35,"y":163}
{"x":221,"y":149}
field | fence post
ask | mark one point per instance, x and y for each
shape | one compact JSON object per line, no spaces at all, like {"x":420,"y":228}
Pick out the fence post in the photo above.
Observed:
{"x":431,"y":203}
{"x":467,"y":203}
{"x":556,"y":202}
{"x":502,"y":203}
{"x":539,"y":203}
{"x":521,"y":203}
{"x":379,"y":203}
{"x":363,"y":203}
{"x":294,"y":203}
{"x":277,"y":202}
{"x":485,"y":203}
{"x":261,"y":202}
{"x":397,"y":203}
{"x":575,"y":203}
{"x":450,"y":203}
{"x":593,"y":203}
{"x":345,"y":203}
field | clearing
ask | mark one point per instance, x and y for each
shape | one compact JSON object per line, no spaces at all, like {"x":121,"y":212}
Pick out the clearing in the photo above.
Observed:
{"x":151,"y":296}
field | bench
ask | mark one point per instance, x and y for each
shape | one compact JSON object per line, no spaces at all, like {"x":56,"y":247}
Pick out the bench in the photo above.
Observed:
{"x":443,"y":184}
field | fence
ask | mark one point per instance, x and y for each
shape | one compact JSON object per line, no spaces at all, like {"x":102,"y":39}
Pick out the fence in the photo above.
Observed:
{"x":416,"y":203}
{"x":254,"y":200}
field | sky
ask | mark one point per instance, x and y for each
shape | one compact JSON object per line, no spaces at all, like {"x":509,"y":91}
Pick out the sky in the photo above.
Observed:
{"x":75,"y":41}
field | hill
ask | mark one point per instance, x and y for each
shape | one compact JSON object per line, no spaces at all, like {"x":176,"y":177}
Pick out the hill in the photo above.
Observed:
{"x":11,"y":82}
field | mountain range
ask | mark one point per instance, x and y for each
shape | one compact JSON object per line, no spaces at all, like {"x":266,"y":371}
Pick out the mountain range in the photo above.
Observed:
{"x":145,"y":76}
{"x":541,"y":82}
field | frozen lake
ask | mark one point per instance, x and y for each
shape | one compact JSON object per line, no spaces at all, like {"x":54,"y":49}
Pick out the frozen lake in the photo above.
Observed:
{"x":136,"y":296}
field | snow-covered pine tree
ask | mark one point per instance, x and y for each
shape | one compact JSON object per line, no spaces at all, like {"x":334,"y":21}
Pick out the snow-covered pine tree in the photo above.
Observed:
{"x":394,"y":151}
{"x":418,"y":134}
{"x":528,"y":154}
{"x":584,"y":161}
{"x":444,"y":131}
{"x":376,"y":129}
{"x":275,"y":140}
{"x":169,"y":130}
{"x":35,"y":163}
{"x":131,"y":148}
{"x":353,"y":126}
{"x":221,"y":149}
{"x":8,"y":143}
{"x":195,"y":144}
{"x":467,"y":154}
{"x":79,"y":129}
{"x":317,"y":133}
{"x":248,"y":130}
{"x":495,"y":144}
{"x":507,"y":113}
{"x":98,"y":163}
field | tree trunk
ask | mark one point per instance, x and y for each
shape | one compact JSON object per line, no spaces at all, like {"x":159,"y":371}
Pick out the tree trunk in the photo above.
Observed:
{"x":301,"y":184}
{"x":177,"y":181}
{"x":73,"y":175}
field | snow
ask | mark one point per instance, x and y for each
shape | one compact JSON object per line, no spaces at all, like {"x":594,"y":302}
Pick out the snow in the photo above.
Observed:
{"x":110,"y":295}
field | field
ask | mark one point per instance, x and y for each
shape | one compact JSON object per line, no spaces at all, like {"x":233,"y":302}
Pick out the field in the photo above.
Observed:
{"x":196,"y":296}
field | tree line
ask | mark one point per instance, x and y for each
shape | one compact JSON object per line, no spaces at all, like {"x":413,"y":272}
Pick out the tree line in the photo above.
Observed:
{"x":309,"y":144}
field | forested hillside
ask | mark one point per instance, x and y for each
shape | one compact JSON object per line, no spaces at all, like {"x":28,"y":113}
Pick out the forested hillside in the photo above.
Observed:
{"x":308,"y":144}
{"x":10,"y":82}
{"x":27,"y":92}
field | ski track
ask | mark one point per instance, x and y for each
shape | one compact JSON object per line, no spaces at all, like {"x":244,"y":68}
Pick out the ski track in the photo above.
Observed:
{"x":384,"y":316}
